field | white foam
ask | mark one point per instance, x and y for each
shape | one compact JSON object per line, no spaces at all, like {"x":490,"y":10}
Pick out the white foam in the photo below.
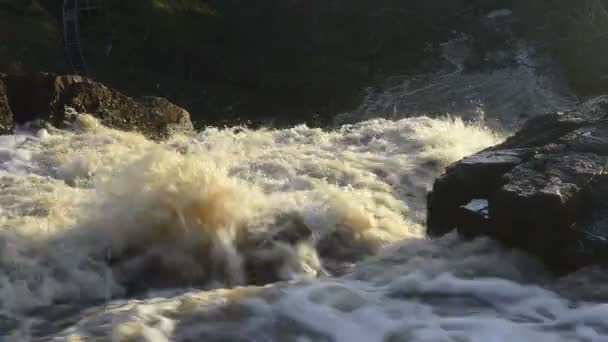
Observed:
{"x":73,"y":200}
{"x":414,"y":307}
{"x":504,"y":12}
{"x":498,"y":97}
{"x":476,"y":205}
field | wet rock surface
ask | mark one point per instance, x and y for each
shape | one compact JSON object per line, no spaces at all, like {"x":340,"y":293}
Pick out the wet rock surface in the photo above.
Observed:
{"x":6,"y":115}
{"x":45,"y":96}
{"x":543,"y":190}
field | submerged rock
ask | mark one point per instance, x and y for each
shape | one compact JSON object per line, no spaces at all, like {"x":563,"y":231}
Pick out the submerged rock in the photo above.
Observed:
{"x":544,"y":190}
{"x":45,"y":96}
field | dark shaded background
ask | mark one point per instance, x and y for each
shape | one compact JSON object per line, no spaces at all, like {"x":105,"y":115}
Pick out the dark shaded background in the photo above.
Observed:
{"x":290,"y":61}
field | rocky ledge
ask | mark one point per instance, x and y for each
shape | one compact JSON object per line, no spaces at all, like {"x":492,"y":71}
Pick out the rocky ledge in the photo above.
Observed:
{"x":45,"y":97}
{"x":544,"y":190}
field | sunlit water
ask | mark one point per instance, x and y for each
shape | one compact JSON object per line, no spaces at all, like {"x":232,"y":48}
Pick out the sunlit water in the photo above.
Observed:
{"x":262,"y":235}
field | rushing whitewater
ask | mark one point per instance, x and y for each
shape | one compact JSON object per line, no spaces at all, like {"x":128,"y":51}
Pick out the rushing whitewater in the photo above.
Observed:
{"x":260,"y":235}
{"x":504,"y":97}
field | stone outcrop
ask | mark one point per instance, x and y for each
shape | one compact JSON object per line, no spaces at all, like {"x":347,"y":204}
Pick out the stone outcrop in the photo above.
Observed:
{"x":6,"y":115}
{"x":45,"y":96}
{"x":544,"y":190}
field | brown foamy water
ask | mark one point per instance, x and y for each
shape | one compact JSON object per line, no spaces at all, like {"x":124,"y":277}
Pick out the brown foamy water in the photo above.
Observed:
{"x":255,"y":235}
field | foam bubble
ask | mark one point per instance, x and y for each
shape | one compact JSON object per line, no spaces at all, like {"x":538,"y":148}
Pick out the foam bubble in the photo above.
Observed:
{"x":91,"y":214}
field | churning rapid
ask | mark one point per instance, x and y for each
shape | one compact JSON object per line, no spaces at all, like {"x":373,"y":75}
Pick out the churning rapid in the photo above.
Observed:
{"x":259,"y":235}
{"x":504,"y":97}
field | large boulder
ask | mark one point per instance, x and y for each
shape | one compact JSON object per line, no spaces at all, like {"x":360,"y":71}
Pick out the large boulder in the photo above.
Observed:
{"x":154,"y":117}
{"x":29,"y":96}
{"x":544,"y":190}
{"x":6,"y":115}
{"x":45,"y":96}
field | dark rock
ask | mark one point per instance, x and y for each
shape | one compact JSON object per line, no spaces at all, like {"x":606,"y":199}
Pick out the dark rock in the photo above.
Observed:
{"x":545,"y":187}
{"x":542,"y":199}
{"x":154,"y":117}
{"x":592,"y":139}
{"x":475,"y":177}
{"x":6,"y":115}
{"x":30,"y":96}
{"x":46,"y":96}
